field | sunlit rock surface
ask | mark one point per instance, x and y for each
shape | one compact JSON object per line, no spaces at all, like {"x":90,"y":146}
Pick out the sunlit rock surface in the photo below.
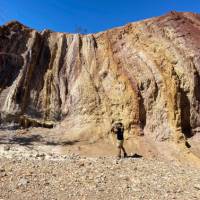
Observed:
{"x":146,"y":74}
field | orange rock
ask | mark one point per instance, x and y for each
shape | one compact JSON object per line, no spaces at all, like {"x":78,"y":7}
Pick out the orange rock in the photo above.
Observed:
{"x":145,"y":74}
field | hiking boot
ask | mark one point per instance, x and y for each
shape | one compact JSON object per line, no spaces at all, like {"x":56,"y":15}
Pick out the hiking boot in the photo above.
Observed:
{"x":125,"y":155}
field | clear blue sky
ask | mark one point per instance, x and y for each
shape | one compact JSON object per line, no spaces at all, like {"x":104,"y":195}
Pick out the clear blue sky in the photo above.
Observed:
{"x":94,"y":15}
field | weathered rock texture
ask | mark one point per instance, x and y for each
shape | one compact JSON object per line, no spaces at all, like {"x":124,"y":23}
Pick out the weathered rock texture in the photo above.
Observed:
{"x":146,"y":74}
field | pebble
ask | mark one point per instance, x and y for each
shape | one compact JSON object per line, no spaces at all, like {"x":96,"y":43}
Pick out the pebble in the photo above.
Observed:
{"x":6,"y":148}
{"x":23,"y":182}
{"x":197,"y":187}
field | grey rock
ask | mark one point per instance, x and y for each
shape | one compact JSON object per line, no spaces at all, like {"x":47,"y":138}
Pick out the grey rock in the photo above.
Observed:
{"x":23,"y":182}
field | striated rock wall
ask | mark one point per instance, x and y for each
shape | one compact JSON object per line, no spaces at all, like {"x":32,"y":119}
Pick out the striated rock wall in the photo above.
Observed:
{"x":146,"y":74}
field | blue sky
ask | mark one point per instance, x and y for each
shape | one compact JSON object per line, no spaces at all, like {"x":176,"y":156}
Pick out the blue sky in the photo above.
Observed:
{"x":93,"y":15}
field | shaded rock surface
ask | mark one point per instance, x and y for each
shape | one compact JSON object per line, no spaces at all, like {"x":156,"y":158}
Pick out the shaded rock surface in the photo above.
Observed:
{"x":146,"y":74}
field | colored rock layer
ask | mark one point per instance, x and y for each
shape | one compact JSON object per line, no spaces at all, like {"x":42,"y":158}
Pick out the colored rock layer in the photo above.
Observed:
{"x":146,"y":74}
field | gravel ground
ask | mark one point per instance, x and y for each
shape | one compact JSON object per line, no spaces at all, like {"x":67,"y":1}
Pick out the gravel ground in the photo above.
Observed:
{"x":27,"y":174}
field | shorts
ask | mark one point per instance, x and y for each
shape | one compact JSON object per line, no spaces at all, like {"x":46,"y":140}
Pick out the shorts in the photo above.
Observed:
{"x":120,"y":143}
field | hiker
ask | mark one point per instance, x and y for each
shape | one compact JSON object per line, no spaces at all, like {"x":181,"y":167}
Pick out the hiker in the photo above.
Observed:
{"x":118,"y":129}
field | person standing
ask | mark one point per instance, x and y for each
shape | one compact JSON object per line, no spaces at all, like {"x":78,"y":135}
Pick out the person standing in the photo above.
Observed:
{"x":118,"y":130}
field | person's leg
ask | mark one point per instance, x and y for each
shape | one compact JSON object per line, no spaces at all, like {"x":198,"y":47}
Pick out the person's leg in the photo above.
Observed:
{"x":119,"y":152}
{"x":123,"y":149}
{"x":118,"y":148}
{"x":125,"y":154}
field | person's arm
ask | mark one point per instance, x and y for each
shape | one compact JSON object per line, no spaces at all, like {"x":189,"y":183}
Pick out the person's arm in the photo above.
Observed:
{"x":113,"y":131}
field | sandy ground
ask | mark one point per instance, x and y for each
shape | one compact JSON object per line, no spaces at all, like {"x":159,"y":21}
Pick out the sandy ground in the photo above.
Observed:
{"x":38,"y":164}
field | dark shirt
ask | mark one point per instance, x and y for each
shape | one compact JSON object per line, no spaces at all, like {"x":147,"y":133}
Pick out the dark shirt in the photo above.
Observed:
{"x":120,"y":133}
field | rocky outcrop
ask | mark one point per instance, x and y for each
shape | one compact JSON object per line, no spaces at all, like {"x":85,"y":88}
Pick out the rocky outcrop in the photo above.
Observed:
{"x":146,"y":74}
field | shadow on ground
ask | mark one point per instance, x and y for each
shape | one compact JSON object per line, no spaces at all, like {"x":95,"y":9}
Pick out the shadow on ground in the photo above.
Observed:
{"x":21,"y":140}
{"x":30,"y":140}
{"x":53,"y":143}
{"x":135,"y":156}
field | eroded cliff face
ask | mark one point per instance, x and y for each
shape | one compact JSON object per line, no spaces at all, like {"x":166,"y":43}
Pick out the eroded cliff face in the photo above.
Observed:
{"x":146,"y":74}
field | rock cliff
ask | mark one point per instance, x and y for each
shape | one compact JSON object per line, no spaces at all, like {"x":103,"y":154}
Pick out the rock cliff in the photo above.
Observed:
{"x":146,"y":74}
